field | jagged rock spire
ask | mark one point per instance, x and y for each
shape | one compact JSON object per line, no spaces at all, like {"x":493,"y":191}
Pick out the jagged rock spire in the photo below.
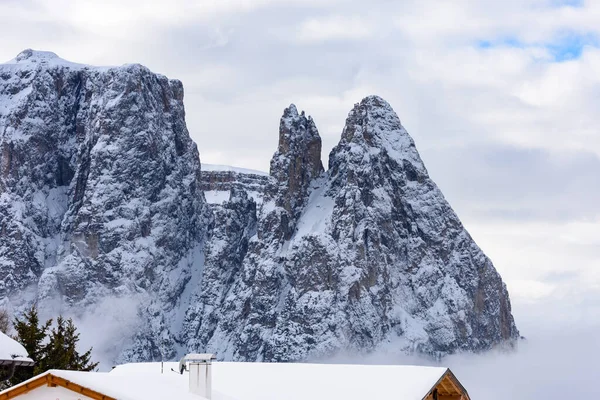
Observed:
{"x":297,"y":161}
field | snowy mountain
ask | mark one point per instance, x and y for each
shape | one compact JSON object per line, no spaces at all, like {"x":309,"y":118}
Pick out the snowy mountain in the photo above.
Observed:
{"x":102,"y":196}
{"x":99,"y":190}
{"x":365,"y":254}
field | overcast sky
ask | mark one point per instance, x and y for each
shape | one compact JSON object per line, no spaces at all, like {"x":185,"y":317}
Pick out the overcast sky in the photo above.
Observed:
{"x":501,"y":98}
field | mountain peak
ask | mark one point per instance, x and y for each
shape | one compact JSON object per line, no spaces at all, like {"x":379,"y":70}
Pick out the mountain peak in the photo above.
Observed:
{"x":373,"y":129}
{"x":364,"y":255}
{"x":292,"y":116}
{"x":291,"y":110}
{"x":375,"y":116}
{"x":376,"y":107}
{"x":375,"y":101}
{"x":30,"y":58}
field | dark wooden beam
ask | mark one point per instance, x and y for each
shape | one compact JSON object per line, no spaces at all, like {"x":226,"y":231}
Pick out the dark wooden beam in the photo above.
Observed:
{"x":78,"y":388}
{"x":53,"y":381}
{"x":22,"y":389}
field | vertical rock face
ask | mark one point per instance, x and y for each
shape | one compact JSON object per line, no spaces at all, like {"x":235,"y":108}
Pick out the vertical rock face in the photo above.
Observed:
{"x":295,"y":164}
{"x":227,"y":246}
{"x":99,"y":192}
{"x":102,"y":199}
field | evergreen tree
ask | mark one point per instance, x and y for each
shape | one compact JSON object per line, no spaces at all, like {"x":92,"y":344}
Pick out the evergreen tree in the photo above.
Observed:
{"x":54,"y":354}
{"x":31,"y":335}
{"x":77,"y":361}
{"x":49,"y":348}
{"x":61,"y":350}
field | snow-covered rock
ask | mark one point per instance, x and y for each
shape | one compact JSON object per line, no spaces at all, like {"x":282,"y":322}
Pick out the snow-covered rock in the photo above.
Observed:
{"x":99,"y":191}
{"x":218,"y":180}
{"x":102,"y":196}
{"x":368,"y":254}
{"x":295,"y":165}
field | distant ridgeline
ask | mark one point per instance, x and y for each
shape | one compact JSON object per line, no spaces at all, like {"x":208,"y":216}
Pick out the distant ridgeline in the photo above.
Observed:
{"x":105,"y":213}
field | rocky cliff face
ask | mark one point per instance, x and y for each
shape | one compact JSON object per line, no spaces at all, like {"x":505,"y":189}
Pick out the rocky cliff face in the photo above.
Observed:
{"x":294,"y":166}
{"x":99,"y":191}
{"x":102,"y":196}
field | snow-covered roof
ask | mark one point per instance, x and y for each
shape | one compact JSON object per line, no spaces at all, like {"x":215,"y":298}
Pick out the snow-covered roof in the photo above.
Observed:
{"x":299,"y":381}
{"x":295,"y":381}
{"x":152,"y":386}
{"x":12,"y":351}
{"x":228,"y":168}
{"x":257,"y":381}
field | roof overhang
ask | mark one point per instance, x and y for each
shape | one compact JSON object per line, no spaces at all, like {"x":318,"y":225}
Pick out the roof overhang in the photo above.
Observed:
{"x":450,"y":382}
{"x":53,"y":381}
{"x":17,"y":362}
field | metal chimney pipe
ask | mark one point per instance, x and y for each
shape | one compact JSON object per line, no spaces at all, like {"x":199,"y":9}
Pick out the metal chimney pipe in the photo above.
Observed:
{"x":200,"y":374}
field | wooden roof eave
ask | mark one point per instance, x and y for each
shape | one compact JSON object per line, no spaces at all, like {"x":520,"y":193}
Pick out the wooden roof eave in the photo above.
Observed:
{"x":23,"y":388}
{"x":453,"y":379}
{"x":16,"y":362}
{"x":53,"y":381}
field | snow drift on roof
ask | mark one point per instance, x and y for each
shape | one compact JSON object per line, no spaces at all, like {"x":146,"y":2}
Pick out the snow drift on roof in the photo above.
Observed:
{"x":156,"y":386}
{"x":11,"y":349}
{"x":261,"y":381}
{"x":299,"y":381}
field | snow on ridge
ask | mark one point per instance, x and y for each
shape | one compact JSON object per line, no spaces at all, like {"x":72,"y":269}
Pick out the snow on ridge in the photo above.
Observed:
{"x":30,"y":58}
{"x":375,"y":116}
{"x":329,"y":249}
{"x":228,"y":168}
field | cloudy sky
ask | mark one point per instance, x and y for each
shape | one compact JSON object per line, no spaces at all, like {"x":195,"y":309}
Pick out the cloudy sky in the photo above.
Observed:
{"x":501,"y":98}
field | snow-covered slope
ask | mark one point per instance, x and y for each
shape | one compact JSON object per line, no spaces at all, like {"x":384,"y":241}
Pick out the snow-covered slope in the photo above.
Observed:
{"x":105,"y":213}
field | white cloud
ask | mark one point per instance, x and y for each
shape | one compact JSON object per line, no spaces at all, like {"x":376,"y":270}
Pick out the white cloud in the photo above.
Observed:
{"x":334,"y":28}
{"x":542,"y":260}
{"x":553,"y":364}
